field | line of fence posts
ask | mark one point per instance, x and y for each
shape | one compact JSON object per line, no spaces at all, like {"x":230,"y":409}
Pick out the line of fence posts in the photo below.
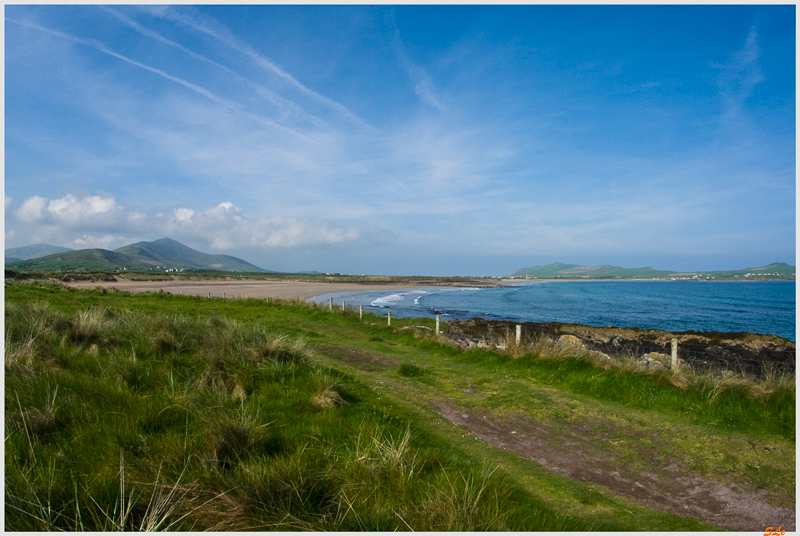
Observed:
{"x":518,"y":334}
{"x":674,"y":361}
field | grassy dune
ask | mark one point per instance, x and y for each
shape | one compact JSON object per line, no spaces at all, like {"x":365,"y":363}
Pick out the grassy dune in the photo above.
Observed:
{"x":154,"y":412}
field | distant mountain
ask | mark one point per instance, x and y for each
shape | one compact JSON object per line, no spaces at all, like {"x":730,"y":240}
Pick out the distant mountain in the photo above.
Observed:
{"x":162,"y":255}
{"x":32,"y":252}
{"x":169,"y":253}
{"x":776,"y":270}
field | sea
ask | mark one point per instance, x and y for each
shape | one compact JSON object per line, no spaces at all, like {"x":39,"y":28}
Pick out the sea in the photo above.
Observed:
{"x":757,"y":307}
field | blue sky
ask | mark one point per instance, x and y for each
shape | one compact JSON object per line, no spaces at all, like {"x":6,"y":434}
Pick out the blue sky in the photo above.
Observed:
{"x":433,"y":140}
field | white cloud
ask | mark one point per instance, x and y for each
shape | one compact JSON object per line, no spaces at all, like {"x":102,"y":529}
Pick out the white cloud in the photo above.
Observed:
{"x":184,"y":215}
{"x":70,"y":210}
{"x":91,"y":242}
{"x":101,"y":222}
{"x":32,"y":210}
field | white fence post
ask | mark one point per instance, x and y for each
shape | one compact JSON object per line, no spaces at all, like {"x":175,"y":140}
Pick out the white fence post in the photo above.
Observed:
{"x":674,"y":362}
{"x":390,"y":318}
{"x":342,"y":305}
{"x":361,"y":312}
{"x":519,"y":334}
{"x":437,"y":325}
{"x":330,"y":303}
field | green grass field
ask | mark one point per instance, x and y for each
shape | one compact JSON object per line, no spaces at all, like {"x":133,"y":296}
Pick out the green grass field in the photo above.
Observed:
{"x":162,"y":412}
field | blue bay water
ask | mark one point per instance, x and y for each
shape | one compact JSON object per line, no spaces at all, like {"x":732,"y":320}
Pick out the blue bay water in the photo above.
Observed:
{"x":756,"y":307}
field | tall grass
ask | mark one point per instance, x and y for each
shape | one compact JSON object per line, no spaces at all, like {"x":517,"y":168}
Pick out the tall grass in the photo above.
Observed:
{"x":121,"y":420}
{"x":730,"y":400}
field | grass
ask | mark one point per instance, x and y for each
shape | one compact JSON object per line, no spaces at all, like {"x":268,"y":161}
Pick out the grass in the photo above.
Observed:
{"x":733,"y":402}
{"x":123,"y":420}
{"x":127,"y":412}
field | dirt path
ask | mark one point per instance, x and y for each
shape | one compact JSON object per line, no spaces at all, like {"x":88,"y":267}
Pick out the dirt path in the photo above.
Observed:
{"x":600,"y":451}
{"x":668,"y":486}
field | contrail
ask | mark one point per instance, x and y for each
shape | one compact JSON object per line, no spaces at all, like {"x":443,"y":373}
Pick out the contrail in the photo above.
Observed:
{"x":194,"y":87}
{"x":265,"y":63}
{"x":266,"y":92}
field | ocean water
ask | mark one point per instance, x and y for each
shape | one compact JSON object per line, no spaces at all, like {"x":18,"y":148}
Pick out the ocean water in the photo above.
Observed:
{"x":756,"y":307}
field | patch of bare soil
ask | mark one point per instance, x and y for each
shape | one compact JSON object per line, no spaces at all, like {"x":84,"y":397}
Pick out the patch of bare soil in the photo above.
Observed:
{"x":365,"y":362}
{"x":577,"y":452}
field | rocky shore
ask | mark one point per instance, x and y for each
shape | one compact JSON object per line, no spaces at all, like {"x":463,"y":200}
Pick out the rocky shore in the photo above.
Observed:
{"x":738,"y":352}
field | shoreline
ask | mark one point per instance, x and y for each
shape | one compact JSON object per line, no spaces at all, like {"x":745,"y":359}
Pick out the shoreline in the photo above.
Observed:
{"x":573,"y":280}
{"x":288,"y":290}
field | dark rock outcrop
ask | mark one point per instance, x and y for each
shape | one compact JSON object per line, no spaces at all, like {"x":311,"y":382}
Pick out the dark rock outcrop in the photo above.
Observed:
{"x":738,"y":352}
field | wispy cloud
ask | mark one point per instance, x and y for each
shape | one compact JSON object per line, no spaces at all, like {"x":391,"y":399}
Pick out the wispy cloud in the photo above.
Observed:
{"x":218,"y":31}
{"x":423,"y":85}
{"x":189,"y":85}
{"x":263,"y":91}
{"x":739,"y":75}
{"x":243,"y":133}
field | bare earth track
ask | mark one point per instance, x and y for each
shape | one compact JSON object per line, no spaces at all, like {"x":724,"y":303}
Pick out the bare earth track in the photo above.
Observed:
{"x":670,"y":486}
{"x":596,"y":451}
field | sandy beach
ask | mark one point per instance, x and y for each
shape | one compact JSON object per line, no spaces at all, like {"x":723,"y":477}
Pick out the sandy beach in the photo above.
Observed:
{"x":237,"y":289}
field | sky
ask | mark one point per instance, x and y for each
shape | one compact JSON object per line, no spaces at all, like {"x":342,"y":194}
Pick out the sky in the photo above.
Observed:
{"x":406,"y":140}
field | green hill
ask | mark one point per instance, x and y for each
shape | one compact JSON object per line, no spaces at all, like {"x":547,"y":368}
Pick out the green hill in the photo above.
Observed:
{"x":160,"y":255}
{"x":561,"y":270}
{"x":82,"y":259}
{"x":170,"y":253}
{"x":776,"y":270}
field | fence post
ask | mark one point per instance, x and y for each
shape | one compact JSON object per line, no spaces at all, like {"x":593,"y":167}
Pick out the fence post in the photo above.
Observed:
{"x":674,"y":361}
{"x":437,"y":325}
{"x":361,"y":312}
{"x":342,"y":305}
{"x":390,"y":318}
{"x":519,"y":334}
{"x":330,"y":303}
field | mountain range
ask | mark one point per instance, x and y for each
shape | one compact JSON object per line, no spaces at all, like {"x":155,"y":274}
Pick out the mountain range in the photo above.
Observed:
{"x":776,"y":270}
{"x":167,"y":254}
{"x":164,"y":254}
